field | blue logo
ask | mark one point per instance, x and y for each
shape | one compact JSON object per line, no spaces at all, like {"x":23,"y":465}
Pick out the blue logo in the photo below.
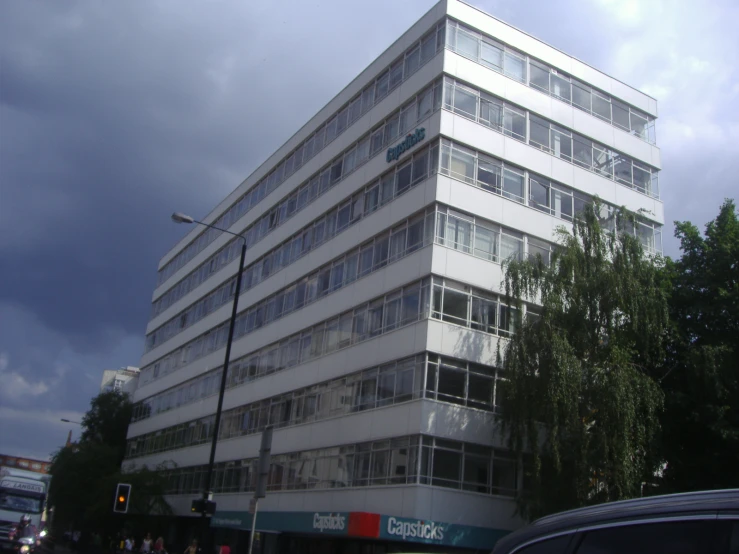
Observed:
{"x":410,"y":141}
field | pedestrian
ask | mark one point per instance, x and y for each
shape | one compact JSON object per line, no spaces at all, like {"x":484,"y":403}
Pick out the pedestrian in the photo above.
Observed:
{"x":225,"y":549}
{"x":159,"y":546}
{"x":193,"y":548}
{"x":97,"y":543}
{"x":146,"y":544}
{"x":129,"y":545}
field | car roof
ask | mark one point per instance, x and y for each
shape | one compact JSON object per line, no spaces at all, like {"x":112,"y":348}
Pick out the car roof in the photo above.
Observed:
{"x":638,"y":508}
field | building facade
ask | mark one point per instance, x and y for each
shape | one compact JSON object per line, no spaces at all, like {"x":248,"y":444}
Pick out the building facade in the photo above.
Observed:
{"x":371,"y":306}
{"x":124,"y":379}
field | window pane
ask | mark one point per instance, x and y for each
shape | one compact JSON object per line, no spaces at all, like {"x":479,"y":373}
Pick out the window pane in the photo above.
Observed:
{"x":480,"y":391}
{"x":452,"y":385}
{"x":557,"y":545}
{"x":465,"y":102}
{"x":504,"y":476}
{"x":513,"y":185}
{"x":446,"y":468}
{"x":467,"y":44}
{"x":560,"y":87}
{"x":462,"y":165}
{"x":491,"y":113}
{"x":492,"y":56}
{"x":476,"y":473}
{"x":603,"y":161}
{"x":514,"y":123}
{"x":396,"y":74}
{"x":539,"y":76}
{"x":583,"y":152}
{"x":679,"y":537}
{"x":411,"y":300}
{"x":539,"y":194}
{"x":386,"y":388}
{"x":426,"y":103}
{"x":539,"y":132}
{"x":620,"y":114}
{"x":483,"y":314}
{"x":539,"y":248}
{"x":622,"y":169}
{"x":403,"y":179}
{"x":511,"y":246}
{"x":514,"y":66}
{"x":488,"y":175}
{"x":412,"y":61}
{"x":486,"y":243}
{"x":642,"y":177}
{"x":459,"y":233}
{"x":561,"y":143}
{"x":581,"y":95}
{"x":454,"y":309}
{"x":639,"y":125}
{"x":601,"y":106}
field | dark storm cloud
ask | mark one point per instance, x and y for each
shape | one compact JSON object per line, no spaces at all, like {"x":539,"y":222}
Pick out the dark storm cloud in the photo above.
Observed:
{"x":113,"y":116}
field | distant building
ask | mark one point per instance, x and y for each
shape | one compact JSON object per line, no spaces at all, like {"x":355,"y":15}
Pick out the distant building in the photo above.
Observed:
{"x":123,"y":379}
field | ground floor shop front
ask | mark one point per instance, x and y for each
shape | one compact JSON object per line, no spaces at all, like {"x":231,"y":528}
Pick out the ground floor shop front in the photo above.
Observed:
{"x":348,"y":533}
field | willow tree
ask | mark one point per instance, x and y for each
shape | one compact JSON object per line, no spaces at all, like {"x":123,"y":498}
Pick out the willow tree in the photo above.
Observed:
{"x":581,"y":402}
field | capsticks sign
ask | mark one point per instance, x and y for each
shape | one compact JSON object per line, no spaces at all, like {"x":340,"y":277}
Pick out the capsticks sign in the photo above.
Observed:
{"x":330,"y":522}
{"x":410,"y":141}
{"x":418,"y":529}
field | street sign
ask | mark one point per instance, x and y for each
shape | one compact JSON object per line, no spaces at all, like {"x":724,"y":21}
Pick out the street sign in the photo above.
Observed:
{"x":252,"y":505}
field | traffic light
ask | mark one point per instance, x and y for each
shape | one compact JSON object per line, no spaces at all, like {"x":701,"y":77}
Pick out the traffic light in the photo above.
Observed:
{"x":122,"y":496}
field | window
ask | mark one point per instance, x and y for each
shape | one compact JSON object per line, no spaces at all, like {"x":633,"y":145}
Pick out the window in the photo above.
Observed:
{"x":446,"y":468}
{"x":675,"y":537}
{"x":465,"y":102}
{"x":556,"y":545}
{"x":539,"y":132}
{"x":454,"y":306}
{"x":452,"y":384}
{"x":539,"y":76}
{"x":476,"y":473}
{"x":513,"y":185}
{"x":491,"y":56}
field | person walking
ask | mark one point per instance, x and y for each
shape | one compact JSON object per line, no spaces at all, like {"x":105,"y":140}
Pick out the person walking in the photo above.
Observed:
{"x":193,"y":548}
{"x":159,"y":546}
{"x":129,"y":545}
{"x":146,"y":544}
{"x":225,"y":548}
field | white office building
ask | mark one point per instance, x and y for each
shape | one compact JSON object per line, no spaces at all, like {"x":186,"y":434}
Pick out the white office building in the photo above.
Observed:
{"x":371,"y":306}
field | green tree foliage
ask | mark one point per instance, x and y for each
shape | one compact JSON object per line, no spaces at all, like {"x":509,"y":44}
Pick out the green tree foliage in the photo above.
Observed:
{"x":701,"y":419}
{"x":581,"y":402}
{"x":85,"y":475}
{"x":106,"y":422}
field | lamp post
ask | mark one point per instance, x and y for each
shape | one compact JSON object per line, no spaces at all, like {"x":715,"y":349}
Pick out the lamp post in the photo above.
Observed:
{"x":178,"y":217}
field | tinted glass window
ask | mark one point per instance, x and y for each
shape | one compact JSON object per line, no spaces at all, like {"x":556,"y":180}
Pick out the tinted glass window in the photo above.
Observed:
{"x":548,"y":546}
{"x":678,"y":537}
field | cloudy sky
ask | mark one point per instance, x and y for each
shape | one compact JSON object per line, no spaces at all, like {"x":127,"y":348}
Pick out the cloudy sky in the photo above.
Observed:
{"x":115,"y":114}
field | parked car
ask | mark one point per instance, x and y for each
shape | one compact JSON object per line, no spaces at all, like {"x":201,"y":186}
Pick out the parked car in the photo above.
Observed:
{"x":687,"y":523}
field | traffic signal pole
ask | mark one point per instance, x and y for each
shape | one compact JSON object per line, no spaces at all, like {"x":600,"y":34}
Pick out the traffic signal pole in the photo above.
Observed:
{"x":261,"y":490}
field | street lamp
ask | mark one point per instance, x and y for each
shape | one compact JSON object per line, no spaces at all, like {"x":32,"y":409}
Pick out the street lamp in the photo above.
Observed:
{"x":178,"y":217}
{"x":70,"y":421}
